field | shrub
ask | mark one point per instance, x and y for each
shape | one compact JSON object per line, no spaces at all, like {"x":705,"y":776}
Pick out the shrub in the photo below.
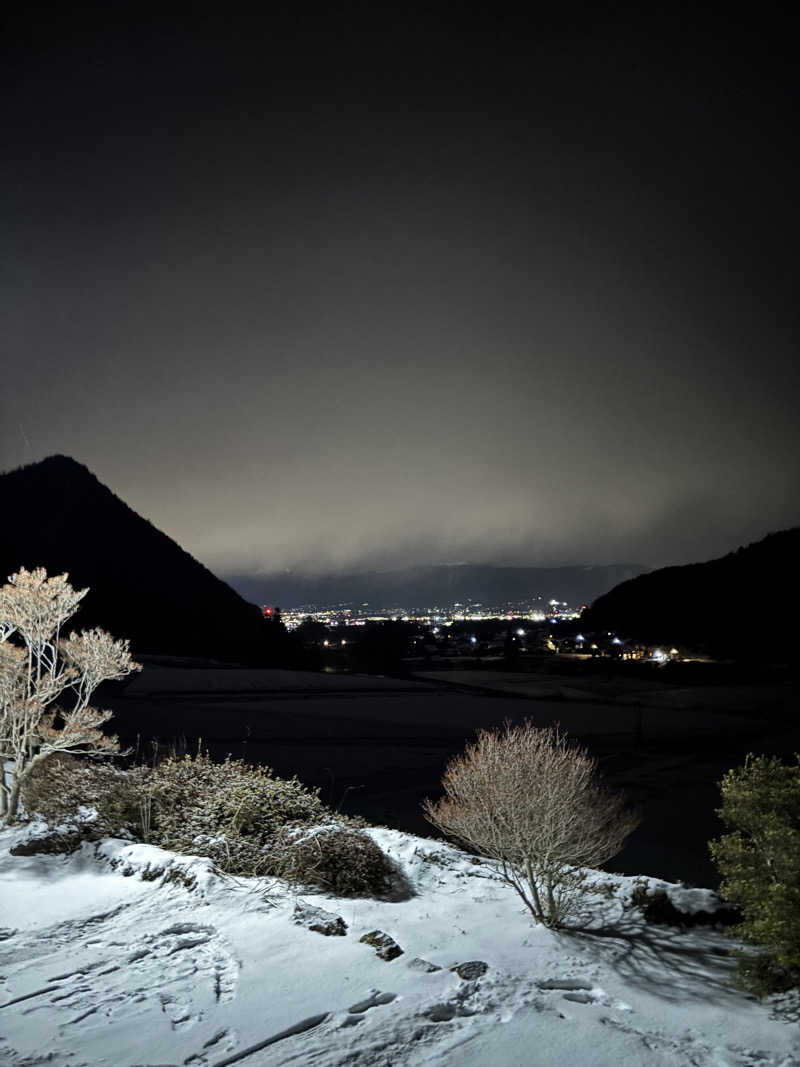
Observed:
{"x":229,"y":811}
{"x":533,"y":805}
{"x":340,"y":860}
{"x":242,"y":817}
{"x":759,"y":861}
{"x":85,"y":796}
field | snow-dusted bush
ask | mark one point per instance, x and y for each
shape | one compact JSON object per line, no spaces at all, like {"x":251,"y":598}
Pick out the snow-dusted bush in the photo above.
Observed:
{"x":533,"y":805}
{"x":230,"y":811}
{"x":65,"y":791}
{"x":339,"y":859}
{"x":251,"y":823}
{"x":760,"y":864}
{"x":38,"y":667}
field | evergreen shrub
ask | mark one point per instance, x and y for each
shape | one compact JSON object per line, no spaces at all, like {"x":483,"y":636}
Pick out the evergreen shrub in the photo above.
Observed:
{"x":760,"y":864}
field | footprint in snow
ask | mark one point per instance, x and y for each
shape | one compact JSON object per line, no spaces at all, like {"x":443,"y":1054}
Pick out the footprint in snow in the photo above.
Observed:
{"x":594,"y":996}
{"x":372,"y":1001}
{"x":356,"y":1012}
{"x":581,"y":991}
{"x":222,"y":1041}
{"x":179,"y":967}
{"x":564,"y":983}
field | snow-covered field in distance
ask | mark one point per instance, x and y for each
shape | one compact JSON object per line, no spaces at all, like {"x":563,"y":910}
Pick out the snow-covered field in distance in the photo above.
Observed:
{"x":377,"y":746}
{"x":107,"y":958}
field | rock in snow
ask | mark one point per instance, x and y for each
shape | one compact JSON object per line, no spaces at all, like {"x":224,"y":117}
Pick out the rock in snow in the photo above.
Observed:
{"x":386,"y":948}
{"x":319,"y":920}
{"x":471,"y":970}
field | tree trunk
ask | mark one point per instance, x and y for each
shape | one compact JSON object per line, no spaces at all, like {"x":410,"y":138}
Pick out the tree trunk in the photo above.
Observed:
{"x":16,"y":784}
{"x":13,"y":802}
{"x":540,"y":917}
{"x":553,"y":917}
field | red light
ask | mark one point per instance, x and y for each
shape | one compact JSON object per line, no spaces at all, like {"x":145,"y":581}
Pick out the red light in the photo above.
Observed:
{"x":268,"y":611}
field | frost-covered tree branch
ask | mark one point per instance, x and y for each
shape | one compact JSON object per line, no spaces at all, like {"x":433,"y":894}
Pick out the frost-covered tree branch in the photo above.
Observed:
{"x":38,"y":668}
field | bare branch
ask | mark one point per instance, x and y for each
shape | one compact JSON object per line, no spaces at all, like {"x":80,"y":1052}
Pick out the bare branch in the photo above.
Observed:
{"x":533,"y":804}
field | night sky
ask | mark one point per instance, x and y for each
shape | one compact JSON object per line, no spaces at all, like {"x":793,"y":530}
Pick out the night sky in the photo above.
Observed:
{"x":348,"y":291}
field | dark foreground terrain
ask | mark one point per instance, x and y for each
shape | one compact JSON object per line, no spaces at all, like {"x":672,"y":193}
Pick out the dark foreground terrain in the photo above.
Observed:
{"x":376,"y":746}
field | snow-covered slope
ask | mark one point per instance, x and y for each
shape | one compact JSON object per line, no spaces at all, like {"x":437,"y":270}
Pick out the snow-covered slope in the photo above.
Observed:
{"x":123,"y":954}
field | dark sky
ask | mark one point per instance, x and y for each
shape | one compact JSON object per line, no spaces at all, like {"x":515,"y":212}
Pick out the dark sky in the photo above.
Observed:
{"x":320,"y":292}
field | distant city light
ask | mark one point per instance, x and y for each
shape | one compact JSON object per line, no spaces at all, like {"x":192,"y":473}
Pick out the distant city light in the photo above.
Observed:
{"x":520,"y":633}
{"x":616,"y":641}
{"x":436,"y":616}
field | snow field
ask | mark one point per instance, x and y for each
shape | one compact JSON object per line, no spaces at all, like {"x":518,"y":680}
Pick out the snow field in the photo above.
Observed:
{"x":107,"y":957}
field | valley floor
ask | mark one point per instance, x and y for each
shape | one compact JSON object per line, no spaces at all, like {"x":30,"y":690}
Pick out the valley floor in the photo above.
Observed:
{"x":377,"y":746}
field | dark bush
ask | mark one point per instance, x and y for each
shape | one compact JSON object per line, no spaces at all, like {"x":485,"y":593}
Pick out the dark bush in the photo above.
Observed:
{"x":55,"y":844}
{"x":657,"y":908}
{"x":340,"y":860}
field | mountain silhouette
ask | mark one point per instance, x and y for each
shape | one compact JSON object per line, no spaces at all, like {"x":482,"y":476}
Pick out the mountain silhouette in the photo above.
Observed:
{"x":143,"y":586}
{"x":423,"y":587}
{"x":741,"y":606}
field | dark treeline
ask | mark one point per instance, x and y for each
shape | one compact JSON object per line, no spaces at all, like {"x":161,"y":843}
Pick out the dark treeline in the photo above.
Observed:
{"x":743,"y":606}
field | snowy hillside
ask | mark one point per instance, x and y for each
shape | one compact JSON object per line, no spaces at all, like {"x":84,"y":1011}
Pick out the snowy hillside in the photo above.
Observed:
{"x":124,"y":954}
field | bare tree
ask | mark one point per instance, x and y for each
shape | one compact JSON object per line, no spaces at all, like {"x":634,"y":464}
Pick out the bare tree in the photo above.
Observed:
{"x":532,"y":803}
{"x":37,"y":667}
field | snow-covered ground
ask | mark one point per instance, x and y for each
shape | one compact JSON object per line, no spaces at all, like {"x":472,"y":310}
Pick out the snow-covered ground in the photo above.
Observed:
{"x":123,"y":954}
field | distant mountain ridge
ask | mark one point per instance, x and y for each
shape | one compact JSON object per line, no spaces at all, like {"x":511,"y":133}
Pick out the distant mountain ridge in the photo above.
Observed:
{"x":423,"y":587}
{"x":742,"y":605}
{"x":143,"y":585}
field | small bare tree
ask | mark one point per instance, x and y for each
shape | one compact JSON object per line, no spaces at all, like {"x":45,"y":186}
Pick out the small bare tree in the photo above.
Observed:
{"x":533,"y":804}
{"x":37,"y":667}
